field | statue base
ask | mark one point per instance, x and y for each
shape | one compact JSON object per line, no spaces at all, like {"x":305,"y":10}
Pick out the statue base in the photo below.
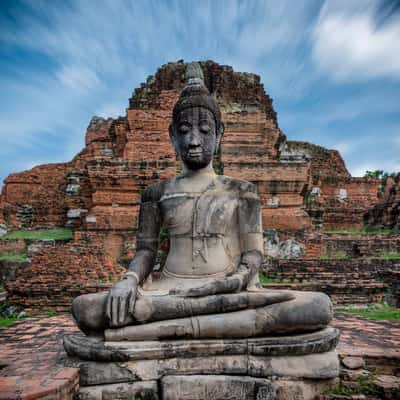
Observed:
{"x":271,"y":368}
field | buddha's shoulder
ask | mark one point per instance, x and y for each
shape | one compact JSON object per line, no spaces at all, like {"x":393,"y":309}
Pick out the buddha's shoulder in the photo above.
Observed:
{"x":237,"y":185}
{"x":155,"y":191}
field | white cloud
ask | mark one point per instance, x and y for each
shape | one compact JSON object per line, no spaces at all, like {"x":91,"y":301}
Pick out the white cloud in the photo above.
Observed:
{"x":78,"y":78}
{"x":348,"y":44}
{"x":345,"y":148}
{"x":385,"y":165}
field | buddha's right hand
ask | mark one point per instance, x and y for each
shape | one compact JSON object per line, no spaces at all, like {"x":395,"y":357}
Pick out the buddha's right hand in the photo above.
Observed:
{"x":121,"y":301}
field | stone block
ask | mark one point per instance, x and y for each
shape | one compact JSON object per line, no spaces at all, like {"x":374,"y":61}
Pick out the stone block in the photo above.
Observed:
{"x":3,"y":229}
{"x":353,"y":362}
{"x":217,"y":387}
{"x":310,"y":366}
{"x":92,"y":373}
{"x":121,"y":391}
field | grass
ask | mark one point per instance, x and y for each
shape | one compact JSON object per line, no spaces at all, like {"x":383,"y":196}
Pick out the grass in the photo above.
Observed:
{"x":374,"y":311}
{"x":365,"y":385}
{"x":388,"y":256}
{"x":264,"y":280}
{"x":363,"y":231}
{"x":18,"y":257}
{"x":343,"y":256}
{"x":50,"y":313}
{"x":41,"y":234}
{"x":7,"y":321}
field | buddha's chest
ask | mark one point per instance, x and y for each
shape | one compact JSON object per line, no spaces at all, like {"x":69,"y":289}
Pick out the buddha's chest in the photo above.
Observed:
{"x":199,"y":214}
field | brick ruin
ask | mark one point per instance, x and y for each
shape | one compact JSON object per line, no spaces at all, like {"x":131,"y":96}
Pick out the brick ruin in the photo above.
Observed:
{"x":304,"y":188}
{"x":386,"y":213}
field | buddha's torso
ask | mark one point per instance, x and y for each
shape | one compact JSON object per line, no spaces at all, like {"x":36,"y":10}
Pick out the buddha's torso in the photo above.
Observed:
{"x":203,"y":231}
{"x":201,"y":217}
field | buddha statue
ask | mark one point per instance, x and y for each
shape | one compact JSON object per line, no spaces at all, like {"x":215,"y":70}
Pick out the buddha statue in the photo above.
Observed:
{"x":209,"y":286}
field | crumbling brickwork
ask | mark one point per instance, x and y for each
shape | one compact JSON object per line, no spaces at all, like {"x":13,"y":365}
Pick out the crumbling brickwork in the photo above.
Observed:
{"x":347,"y":281}
{"x":324,"y":163}
{"x":58,"y":274}
{"x":36,"y":197}
{"x":356,"y":245}
{"x":386,"y":213}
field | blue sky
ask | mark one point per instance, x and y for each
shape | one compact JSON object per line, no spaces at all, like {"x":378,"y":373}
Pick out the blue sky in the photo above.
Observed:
{"x":332,"y":68}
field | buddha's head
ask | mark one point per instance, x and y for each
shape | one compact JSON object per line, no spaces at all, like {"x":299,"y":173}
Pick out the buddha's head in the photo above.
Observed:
{"x":196,"y":130}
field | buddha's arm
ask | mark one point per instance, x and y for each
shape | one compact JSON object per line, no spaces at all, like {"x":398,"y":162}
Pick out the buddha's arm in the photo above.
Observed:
{"x":122,"y":297}
{"x":251,"y":233}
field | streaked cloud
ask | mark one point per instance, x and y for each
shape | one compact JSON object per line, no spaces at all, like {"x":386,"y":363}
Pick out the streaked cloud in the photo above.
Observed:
{"x":63,"y":62}
{"x":349,"y":45}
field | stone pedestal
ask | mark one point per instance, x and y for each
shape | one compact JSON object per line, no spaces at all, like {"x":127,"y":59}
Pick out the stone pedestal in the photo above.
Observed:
{"x":274,"y":368}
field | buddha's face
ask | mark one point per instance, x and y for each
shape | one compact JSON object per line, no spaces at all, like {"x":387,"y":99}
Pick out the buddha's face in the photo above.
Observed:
{"x":194,"y":136}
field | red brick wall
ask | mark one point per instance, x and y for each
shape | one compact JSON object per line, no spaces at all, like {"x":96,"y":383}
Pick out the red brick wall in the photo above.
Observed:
{"x":41,"y":187}
{"x":362,"y":193}
{"x":57,"y":275}
{"x":386,"y":213}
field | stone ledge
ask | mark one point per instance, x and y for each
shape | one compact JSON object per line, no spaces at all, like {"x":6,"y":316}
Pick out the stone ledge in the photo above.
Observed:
{"x":91,"y":349}
{"x":318,"y":366}
{"x":209,"y":387}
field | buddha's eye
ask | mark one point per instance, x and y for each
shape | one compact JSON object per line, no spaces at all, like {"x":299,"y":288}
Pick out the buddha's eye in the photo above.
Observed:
{"x":184,"y":128}
{"x":205,"y":127}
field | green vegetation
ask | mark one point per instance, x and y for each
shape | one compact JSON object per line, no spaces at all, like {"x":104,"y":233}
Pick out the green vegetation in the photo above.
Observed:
{"x":365,"y":385}
{"x":380,"y":174}
{"x":374,"y":311}
{"x":364,"y":231}
{"x":218,"y":166}
{"x":341,"y":255}
{"x":388,"y":256}
{"x":41,"y":234}
{"x":264,"y":280}
{"x":17,"y":257}
{"x":7,"y":321}
{"x":50,"y":313}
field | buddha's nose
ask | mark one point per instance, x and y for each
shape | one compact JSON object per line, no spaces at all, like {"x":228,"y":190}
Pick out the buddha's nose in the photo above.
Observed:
{"x":194,"y":139}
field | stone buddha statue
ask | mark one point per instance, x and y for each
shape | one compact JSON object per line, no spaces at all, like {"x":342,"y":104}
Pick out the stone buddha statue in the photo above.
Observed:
{"x":209,"y":286}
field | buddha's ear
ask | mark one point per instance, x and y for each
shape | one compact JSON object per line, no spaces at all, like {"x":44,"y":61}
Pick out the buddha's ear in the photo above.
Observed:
{"x":220,"y":133}
{"x":172,"y":136}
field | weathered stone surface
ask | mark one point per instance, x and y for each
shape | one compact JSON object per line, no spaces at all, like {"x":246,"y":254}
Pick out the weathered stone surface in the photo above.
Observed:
{"x":3,"y":229}
{"x":38,"y":245}
{"x":94,"y":349}
{"x":311,"y":366}
{"x":275,"y":248}
{"x":10,"y":269}
{"x":121,"y":391}
{"x":207,"y":365}
{"x":353,"y":362}
{"x":209,"y":387}
{"x":92,"y":373}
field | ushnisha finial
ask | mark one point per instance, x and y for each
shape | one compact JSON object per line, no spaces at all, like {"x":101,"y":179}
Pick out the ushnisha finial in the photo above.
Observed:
{"x":196,"y":94}
{"x":194,"y":73}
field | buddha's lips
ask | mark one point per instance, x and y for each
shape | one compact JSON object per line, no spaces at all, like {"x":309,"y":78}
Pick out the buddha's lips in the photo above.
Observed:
{"x":194,"y":153}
